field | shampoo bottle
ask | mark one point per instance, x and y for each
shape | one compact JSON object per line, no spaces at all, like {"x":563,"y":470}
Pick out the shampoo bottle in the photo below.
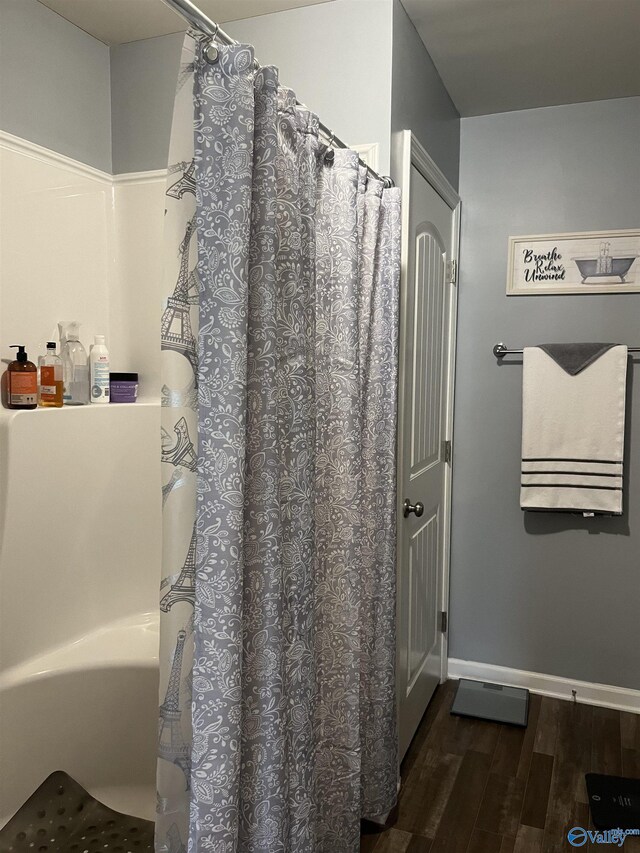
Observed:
{"x":22,"y":382}
{"x":99,"y":371}
{"x":51,"y":378}
{"x":75,"y":369}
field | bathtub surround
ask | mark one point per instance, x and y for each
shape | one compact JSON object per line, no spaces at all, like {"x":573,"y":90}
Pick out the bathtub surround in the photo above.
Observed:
{"x":538,"y":592}
{"x":79,"y":659}
{"x":86,"y":226}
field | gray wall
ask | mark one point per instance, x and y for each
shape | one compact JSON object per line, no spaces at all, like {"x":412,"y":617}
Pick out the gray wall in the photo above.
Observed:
{"x":337,"y":57}
{"x":143,"y":82}
{"x":54,"y":83}
{"x":550,"y":593}
{"x":419,"y":100}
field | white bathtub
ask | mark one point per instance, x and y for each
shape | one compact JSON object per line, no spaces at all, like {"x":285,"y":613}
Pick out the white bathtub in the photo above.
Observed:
{"x":80,"y":533}
{"x":88,"y":707}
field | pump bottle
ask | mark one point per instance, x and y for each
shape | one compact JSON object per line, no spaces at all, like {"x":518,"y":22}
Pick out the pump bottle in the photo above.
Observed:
{"x":22,"y":381}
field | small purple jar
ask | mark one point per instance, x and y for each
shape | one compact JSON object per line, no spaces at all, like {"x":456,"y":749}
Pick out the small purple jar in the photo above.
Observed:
{"x":123,"y":387}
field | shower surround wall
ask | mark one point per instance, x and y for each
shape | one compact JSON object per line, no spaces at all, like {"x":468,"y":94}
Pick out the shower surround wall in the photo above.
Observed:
{"x":78,"y":651}
{"x":555,"y":594}
{"x":77,"y":242}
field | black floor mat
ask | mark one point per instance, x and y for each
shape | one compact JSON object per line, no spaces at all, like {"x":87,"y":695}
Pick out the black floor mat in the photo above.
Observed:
{"x":614,"y":801}
{"x":61,"y":817}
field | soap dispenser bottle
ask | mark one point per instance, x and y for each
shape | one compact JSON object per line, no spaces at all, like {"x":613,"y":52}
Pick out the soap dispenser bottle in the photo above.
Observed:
{"x":75,"y":369}
{"x":22,"y":381}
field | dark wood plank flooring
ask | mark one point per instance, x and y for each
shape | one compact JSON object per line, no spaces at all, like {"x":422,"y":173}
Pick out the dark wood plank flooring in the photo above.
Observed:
{"x":470,"y":786}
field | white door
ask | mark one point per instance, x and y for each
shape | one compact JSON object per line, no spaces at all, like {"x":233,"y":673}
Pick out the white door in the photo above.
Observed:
{"x":426,"y":367}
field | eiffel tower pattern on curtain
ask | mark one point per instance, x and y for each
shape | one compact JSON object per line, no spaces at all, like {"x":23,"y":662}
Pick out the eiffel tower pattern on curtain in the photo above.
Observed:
{"x":177,"y":480}
{"x":186,"y":183}
{"x":185,"y":73}
{"x":171,"y":743}
{"x":182,"y":451}
{"x":176,"y":333}
{"x":183,"y":589}
{"x":179,"y":449}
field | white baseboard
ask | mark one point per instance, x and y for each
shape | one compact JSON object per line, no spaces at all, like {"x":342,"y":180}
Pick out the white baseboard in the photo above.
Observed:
{"x":606,"y":695}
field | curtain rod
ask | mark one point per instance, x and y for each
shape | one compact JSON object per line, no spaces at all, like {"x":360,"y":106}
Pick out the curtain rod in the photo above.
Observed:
{"x":193,"y":15}
{"x":500,"y":350}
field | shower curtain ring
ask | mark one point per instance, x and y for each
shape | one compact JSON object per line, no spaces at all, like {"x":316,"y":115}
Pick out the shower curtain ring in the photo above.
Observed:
{"x":211,"y":52}
{"x":330,"y":155}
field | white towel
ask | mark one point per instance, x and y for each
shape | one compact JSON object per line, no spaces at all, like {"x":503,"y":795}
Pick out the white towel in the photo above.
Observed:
{"x":573,"y":433}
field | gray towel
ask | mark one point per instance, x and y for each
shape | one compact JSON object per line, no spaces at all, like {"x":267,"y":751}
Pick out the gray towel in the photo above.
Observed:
{"x":575,"y":357}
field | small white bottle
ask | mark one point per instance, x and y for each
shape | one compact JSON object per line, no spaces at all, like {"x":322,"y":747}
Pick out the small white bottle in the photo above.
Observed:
{"x":99,"y":371}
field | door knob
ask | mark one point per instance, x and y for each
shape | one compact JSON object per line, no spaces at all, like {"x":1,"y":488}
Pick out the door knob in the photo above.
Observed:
{"x":417,"y":507}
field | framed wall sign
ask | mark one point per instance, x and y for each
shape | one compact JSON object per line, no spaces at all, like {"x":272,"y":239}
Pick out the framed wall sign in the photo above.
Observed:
{"x":587,"y":262}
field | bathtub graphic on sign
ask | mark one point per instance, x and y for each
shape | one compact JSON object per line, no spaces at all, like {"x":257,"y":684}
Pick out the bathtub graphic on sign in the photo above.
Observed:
{"x":587,"y":262}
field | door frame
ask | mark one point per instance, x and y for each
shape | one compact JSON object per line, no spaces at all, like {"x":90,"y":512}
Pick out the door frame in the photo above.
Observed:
{"x":407,"y":152}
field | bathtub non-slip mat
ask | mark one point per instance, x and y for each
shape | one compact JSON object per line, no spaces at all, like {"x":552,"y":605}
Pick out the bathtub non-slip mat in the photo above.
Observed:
{"x":61,"y":817}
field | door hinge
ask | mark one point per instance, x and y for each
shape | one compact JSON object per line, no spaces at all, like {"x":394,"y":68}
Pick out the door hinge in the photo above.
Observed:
{"x":453,"y":272}
{"x":447,"y":451}
{"x":443,"y":621}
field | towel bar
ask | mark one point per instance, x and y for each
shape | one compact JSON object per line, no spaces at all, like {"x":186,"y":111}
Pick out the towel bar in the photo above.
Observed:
{"x":500,"y":350}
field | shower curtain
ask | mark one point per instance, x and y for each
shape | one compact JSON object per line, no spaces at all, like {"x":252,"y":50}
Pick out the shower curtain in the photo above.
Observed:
{"x":277,"y":715}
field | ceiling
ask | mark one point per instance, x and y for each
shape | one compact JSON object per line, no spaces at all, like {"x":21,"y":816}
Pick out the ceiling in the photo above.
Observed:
{"x":493,"y":55}
{"x":500,"y":55}
{"x":119,"y":21}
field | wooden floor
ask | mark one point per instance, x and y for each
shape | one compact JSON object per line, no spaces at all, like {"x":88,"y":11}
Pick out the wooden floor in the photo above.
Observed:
{"x":470,"y":786}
